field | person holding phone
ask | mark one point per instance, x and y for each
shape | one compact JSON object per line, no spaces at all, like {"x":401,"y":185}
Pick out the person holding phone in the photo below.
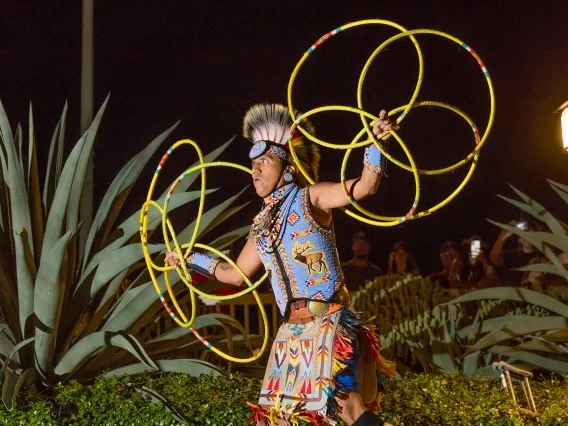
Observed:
{"x":505,"y":260}
{"x":480,"y":271}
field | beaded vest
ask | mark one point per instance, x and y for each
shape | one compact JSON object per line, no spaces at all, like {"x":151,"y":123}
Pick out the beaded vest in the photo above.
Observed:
{"x":289,"y":240}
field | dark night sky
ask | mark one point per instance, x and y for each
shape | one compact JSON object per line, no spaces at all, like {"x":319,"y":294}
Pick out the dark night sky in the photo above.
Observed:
{"x":207,"y":62}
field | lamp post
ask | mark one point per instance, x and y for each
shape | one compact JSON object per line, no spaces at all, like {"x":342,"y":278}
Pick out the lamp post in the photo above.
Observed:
{"x":564,"y":123}
{"x":86,"y":205}
{"x":563,"y":110}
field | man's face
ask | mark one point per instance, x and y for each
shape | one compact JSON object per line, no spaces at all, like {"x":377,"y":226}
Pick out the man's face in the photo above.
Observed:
{"x":400,"y":256}
{"x":360,"y":246}
{"x":447,"y":257}
{"x":266,"y":173}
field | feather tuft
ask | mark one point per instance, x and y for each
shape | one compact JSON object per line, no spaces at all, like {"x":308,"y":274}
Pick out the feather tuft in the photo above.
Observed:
{"x":273,"y":122}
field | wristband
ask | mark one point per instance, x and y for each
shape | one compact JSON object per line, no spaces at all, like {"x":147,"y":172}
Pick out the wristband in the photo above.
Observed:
{"x":373,"y":159}
{"x":203,"y":264}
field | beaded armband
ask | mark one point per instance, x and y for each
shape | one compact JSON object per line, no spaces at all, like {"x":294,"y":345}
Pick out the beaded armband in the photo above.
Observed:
{"x":373,"y":159}
{"x":203,"y":264}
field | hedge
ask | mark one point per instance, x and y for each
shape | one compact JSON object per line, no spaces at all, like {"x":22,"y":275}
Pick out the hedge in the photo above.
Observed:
{"x":417,"y":399}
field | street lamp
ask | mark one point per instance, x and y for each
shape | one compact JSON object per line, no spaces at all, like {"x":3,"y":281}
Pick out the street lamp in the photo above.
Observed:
{"x":564,"y":121}
{"x":563,"y":110}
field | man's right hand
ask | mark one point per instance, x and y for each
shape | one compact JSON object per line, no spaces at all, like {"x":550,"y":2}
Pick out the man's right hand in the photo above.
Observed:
{"x":172,"y":258}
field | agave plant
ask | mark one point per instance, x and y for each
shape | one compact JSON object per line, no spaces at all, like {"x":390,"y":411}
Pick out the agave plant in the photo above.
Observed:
{"x":393,"y":299}
{"x":535,"y":341}
{"x":422,"y":329}
{"x":538,"y":342}
{"x":65,"y":311}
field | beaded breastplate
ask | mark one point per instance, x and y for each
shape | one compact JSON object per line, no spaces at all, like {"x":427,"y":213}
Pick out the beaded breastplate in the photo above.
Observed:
{"x":289,"y":240}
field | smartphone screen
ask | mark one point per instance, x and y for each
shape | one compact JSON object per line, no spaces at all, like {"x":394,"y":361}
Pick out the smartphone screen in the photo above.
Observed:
{"x":475,"y":248}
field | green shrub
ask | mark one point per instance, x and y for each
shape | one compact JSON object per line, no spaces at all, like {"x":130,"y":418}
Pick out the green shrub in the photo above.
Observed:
{"x":415,"y":399}
{"x":38,"y":413}
{"x":450,"y":399}
{"x":220,"y":401}
{"x":109,"y":402}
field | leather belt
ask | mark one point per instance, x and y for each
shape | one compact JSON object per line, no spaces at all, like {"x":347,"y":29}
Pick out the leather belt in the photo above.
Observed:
{"x":303,"y":311}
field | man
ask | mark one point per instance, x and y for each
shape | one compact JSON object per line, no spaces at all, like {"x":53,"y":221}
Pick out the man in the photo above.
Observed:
{"x":452,"y":261}
{"x":323,"y":360}
{"x":359,"y":270}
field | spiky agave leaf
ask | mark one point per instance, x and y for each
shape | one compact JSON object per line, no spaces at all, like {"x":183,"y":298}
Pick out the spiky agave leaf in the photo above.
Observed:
{"x":557,"y":336}
{"x":518,"y":294}
{"x":50,"y":181}
{"x":193,"y":367}
{"x":489,"y":325}
{"x":7,"y":342}
{"x":560,"y":189}
{"x":19,"y":142}
{"x":542,"y":346}
{"x":536,"y":210}
{"x":545,"y":362}
{"x":61,"y":146}
{"x":170,"y":340}
{"x":520,"y":328}
{"x":82,"y":205}
{"x":10,"y":356}
{"x":208,"y":158}
{"x":8,"y":297}
{"x":122,"y":259}
{"x":142,"y":306}
{"x":471,"y":361}
{"x":48,"y":300}
{"x":34,"y":189}
{"x":81,"y":351}
{"x":122,"y":182}
{"x":20,"y":220}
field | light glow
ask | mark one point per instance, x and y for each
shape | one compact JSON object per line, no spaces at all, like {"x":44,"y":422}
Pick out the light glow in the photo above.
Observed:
{"x":564,"y":123}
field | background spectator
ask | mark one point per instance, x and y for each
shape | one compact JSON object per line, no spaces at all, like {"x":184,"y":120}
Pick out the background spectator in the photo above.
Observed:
{"x":452,"y":261}
{"x":402,"y":261}
{"x":507,"y":259}
{"x":358,"y":270}
{"x":479,"y":270}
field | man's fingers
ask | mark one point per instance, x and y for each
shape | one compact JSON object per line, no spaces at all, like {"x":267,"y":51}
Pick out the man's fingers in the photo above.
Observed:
{"x":172,"y":259}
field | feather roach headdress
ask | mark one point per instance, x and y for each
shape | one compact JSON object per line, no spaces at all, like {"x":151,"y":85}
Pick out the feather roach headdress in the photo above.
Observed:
{"x":268,"y":127}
